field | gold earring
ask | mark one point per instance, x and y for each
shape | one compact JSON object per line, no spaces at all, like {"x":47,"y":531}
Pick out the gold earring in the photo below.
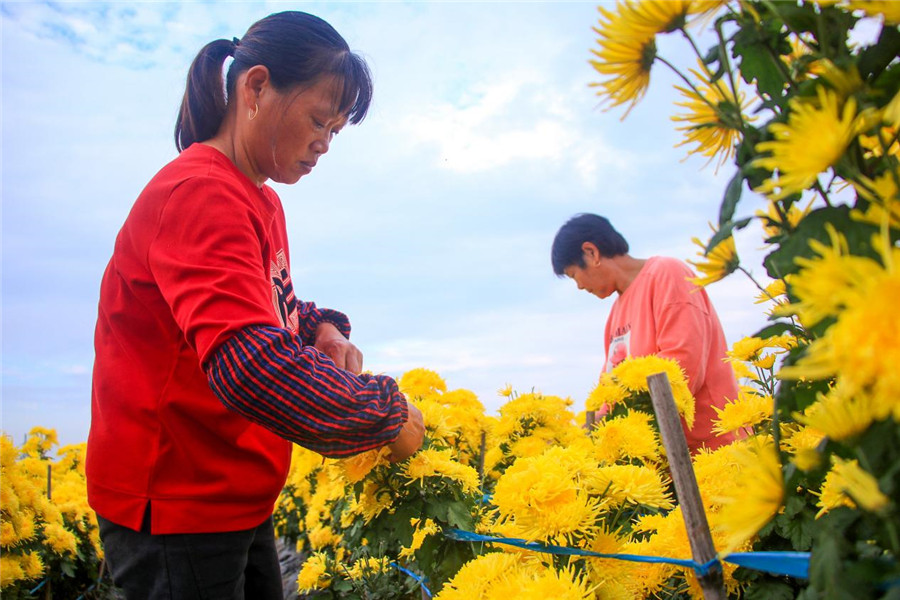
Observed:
{"x":254,"y":112}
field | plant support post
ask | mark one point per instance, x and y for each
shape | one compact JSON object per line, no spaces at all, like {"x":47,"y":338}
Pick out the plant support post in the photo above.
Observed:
{"x":686,"y":488}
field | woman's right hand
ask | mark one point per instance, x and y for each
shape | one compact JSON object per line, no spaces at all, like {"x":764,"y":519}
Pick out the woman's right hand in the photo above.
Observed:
{"x":411,"y":436}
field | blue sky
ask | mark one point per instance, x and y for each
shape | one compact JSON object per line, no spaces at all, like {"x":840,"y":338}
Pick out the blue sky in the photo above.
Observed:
{"x":429,"y":224}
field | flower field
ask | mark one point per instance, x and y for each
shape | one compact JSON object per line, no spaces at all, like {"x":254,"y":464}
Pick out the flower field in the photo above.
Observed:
{"x":801,"y":102}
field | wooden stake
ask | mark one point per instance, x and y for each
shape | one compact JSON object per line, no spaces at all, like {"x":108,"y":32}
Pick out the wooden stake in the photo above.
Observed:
{"x":589,"y":420}
{"x":481,"y":459}
{"x":686,"y":488}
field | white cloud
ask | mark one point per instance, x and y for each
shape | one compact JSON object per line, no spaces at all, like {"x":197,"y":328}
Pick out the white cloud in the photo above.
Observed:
{"x":439,"y":263}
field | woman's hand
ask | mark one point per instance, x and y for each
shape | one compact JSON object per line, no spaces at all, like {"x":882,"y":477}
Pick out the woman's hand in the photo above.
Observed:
{"x":333,"y":343}
{"x":411,"y":436}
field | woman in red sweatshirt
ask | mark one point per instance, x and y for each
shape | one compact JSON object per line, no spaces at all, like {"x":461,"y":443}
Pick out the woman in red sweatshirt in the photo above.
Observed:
{"x":207,"y":365}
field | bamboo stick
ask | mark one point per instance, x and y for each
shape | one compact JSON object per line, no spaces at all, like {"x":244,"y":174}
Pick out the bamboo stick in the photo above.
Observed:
{"x":686,"y":488}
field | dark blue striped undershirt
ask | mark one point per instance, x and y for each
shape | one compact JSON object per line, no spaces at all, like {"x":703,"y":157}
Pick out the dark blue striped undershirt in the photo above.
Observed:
{"x":267,"y":375}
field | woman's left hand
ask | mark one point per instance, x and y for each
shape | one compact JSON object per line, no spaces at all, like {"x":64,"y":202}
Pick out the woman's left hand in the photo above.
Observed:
{"x":344,"y":354}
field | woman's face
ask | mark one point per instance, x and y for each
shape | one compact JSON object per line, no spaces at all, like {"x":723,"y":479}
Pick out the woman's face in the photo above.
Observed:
{"x":296,"y":129}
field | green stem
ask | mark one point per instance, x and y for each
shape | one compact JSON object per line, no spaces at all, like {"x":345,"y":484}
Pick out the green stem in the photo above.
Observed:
{"x":822,"y":192}
{"x":775,"y":56}
{"x":771,"y":6}
{"x":723,"y":52}
{"x":688,"y":82}
{"x":776,"y":425}
{"x":895,"y":173}
{"x":756,"y":283}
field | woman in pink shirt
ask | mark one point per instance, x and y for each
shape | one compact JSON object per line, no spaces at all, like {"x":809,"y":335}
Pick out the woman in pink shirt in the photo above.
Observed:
{"x":657,"y":311}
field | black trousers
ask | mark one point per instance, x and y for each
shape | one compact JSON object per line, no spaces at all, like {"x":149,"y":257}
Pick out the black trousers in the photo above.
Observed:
{"x":235,"y":565}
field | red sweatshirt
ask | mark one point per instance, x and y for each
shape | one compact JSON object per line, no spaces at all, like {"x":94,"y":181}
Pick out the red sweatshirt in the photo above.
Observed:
{"x":202,"y":259}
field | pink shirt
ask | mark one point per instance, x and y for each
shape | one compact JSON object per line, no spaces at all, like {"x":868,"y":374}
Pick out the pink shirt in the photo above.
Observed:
{"x":663,"y":313}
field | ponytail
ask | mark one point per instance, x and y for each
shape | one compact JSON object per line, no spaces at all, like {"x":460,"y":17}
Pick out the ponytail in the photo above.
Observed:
{"x":297,"y":48}
{"x":203,"y":106}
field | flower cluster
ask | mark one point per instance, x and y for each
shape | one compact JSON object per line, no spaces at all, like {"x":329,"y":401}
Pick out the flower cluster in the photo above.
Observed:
{"x":546,"y":479}
{"x":47,"y":529}
{"x":809,"y":115}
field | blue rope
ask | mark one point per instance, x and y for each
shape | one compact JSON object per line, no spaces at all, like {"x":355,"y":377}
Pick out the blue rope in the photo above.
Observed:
{"x":81,"y":597}
{"x":39,"y":586}
{"x":418,"y":578}
{"x":793,"y":564}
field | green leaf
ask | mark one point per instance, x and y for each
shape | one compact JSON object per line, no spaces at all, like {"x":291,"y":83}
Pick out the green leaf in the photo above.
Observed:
{"x":782,"y":261}
{"x":759,"y":46}
{"x":875,"y":59}
{"x":769,"y":590}
{"x":458,"y":516}
{"x":725,"y":231}
{"x":777,"y":329}
{"x":732,"y":196}
{"x":825,"y":564}
{"x":799,"y":531}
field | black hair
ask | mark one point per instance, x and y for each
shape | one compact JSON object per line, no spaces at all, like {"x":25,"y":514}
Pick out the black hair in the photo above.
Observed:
{"x":297,"y":48}
{"x":581,"y":228}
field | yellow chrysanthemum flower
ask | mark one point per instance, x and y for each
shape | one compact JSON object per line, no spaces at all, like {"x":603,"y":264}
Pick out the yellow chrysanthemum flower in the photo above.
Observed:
{"x":800,"y":60}
{"x":629,"y":436}
{"x":718,"y":263}
{"x":323,"y":537}
{"x":847,"y":484}
{"x":754,"y":498}
{"x":884,"y":195}
{"x":11,"y":567}
{"x":845,"y":83}
{"x":607,"y":393}
{"x":750,"y":349}
{"x":529,"y":446}
{"x":774,"y":292}
{"x":891,"y":112}
{"x":777,"y":220}
{"x":421,"y":530}
{"x":477,"y":578}
{"x":314,"y":573}
{"x":373,"y":501}
{"x":814,"y":138}
{"x":421,"y":383}
{"x":874,"y":145}
{"x":633,"y":484}
{"x":32,"y":565}
{"x":632,"y":374}
{"x":842,"y":413}
{"x":716,"y":472}
{"x":712,"y":123}
{"x":440,"y":464}
{"x":861,"y":346}
{"x":367,"y":567}
{"x":832,"y":280}
{"x":356,"y":467}
{"x":545,"y":498}
{"x":796,"y":437}
{"x":624,"y":57}
{"x":748,"y":410}
{"x":613,"y":579}
{"x":60,"y":539}
{"x":39,"y":442}
{"x":564,"y":584}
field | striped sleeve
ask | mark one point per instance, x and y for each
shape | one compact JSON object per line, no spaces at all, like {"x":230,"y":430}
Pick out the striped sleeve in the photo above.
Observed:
{"x":310,"y":316}
{"x":267,"y":375}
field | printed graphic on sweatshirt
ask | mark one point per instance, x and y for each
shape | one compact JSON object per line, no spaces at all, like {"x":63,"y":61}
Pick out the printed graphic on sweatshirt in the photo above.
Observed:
{"x":619,"y":350}
{"x":283,"y":293}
